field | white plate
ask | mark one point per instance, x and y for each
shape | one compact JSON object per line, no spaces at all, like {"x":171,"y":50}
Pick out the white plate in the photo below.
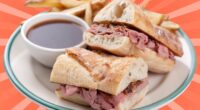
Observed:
{"x":32,"y":79}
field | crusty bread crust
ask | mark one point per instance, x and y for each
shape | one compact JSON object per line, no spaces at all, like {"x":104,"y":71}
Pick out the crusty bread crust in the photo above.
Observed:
{"x":126,"y":12}
{"x":91,"y":70}
{"x":116,"y":45}
{"x":156,"y":63}
{"x":67,"y":70}
{"x":127,"y":104}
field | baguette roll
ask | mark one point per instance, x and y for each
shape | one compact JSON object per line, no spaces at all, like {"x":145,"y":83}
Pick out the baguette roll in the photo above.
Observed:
{"x":128,"y":13}
{"x":83,"y":68}
{"x":122,"y":46}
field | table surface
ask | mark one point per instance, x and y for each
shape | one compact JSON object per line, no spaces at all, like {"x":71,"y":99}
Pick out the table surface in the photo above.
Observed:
{"x":184,"y":12}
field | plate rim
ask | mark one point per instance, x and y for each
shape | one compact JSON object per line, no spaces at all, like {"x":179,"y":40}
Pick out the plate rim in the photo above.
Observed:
{"x":35,"y":98}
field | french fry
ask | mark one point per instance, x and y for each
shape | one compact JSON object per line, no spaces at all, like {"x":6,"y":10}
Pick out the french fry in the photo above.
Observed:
{"x":169,"y":25}
{"x":88,"y":14}
{"x":98,"y":6}
{"x":44,"y":3}
{"x":166,"y":18}
{"x":73,"y":3}
{"x":81,"y":9}
{"x":55,"y":9}
{"x":155,"y":18}
{"x":76,"y":10}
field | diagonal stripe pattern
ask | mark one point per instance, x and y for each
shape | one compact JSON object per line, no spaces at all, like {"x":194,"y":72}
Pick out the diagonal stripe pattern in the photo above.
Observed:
{"x":196,"y":42}
{"x":185,"y":10}
{"x":22,"y":105}
{"x":3,"y":77}
{"x":41,"y":108}
{"x":3,"y":42}
{"x":13,"y":11}
{"x":174,"y":106}
{"x":196,"y":78}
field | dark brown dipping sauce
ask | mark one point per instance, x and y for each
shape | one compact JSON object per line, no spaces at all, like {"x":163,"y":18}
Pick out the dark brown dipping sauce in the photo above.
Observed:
{"x":56,"y":34}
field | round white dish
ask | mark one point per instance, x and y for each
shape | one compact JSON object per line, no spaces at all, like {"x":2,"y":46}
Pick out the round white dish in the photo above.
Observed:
{"x":32,"y":79}
{"x":44,"y":55}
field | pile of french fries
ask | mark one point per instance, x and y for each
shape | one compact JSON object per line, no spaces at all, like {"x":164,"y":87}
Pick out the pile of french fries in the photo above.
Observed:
{"x":161,"y":20}
{"x":87,"y":9}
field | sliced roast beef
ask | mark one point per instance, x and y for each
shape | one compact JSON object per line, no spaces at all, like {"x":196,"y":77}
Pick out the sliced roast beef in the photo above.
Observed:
{"x":140,"y":39}
{"x":69,"y":90}
{"x":99,"y":100}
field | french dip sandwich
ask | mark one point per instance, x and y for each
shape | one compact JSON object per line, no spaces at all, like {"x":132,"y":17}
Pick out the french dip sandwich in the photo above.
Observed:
{"x":101,"y":81}
{"x":122,"y":28}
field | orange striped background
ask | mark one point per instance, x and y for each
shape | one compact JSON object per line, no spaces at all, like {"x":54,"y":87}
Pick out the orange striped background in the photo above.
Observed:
{"x":184,"y":12}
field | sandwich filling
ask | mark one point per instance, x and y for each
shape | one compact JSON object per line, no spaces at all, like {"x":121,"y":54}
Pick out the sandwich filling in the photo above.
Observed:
{"x":99,"y":100}
{"x":141,"y":40}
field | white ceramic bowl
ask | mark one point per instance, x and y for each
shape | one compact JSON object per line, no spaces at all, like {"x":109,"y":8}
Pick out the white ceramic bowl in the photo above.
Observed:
{"x":47,"y":56}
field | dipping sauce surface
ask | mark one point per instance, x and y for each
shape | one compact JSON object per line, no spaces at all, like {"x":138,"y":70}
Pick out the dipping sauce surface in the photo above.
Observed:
{"x":56,"y":34}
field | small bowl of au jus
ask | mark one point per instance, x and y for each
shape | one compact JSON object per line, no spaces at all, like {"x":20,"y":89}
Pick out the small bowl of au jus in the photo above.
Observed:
{"x":47,"y":35}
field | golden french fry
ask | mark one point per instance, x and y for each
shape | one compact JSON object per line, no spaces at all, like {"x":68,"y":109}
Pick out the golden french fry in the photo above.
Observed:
{"x":99,"y":4}
{"x":55,"y":9}
{"x":73,"y":3}
{"x":155,"y":18}
{"x":81,"y":9}
{"x":88,"y":14}
{"x":76,"y":10}
{"x":44,"y":3}
{"x":170,"y":25}
{"x":166,"y":18}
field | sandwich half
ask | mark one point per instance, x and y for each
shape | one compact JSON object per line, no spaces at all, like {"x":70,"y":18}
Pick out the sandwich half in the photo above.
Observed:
{"x":122,"y":28}
{"x":99,"y":80}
